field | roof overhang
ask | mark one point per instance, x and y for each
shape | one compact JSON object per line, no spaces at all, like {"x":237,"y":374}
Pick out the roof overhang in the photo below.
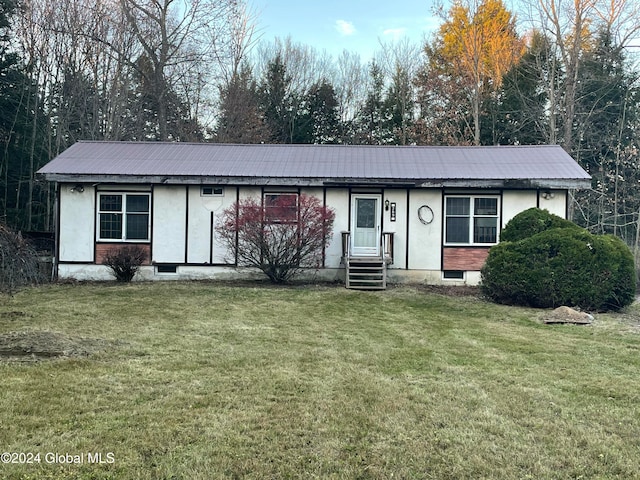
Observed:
{"x":515,"y":184}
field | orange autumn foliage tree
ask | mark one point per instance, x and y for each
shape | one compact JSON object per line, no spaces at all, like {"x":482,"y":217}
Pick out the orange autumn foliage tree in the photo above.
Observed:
{"x":476,"y":46}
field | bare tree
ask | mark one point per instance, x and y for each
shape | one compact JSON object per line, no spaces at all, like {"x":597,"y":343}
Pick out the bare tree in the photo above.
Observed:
{"x":400,"y":62}
{"x":242,"y":35}
{"x":305,"y":66}
{"x":349,"y":80}
{"x":571,"y":25}
{"x":167,"y":31}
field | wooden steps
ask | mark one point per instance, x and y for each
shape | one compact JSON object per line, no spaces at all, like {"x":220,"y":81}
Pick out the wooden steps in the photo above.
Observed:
{"x":366,"y":273}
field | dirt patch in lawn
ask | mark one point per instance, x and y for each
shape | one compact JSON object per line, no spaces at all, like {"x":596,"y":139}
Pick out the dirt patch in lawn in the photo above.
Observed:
{"x":451,"y":290}
{"x":31,"y":346}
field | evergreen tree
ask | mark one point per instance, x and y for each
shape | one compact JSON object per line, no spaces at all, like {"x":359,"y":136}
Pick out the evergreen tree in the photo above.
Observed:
{"x":240,"y":119}
{"x":277,"y":102}
{"x":373,"y":120}
{"x":399,"y":104}
{"x":517,"y":113}
{"x":155,"y":111}
{"x":322,"y":106}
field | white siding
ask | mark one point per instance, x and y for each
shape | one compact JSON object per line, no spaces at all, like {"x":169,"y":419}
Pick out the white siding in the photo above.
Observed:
{"x":338,"y":200}
{"x":220,"y":253}
{"x":199,"y":230}
{"x":556,"y":202}
{"x":399,"y":227}
{"x":200,"y":234}
{"x":169,"y":224}
{"x":425,"y":241}
{"x":251,"y":192}
{"x":515,"y":201}
{"x":77,"y":224}
{"x":182,"y":230}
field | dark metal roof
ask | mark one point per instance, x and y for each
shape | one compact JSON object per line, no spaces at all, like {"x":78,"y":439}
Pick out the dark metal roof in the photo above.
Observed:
{"x":159,"y":162}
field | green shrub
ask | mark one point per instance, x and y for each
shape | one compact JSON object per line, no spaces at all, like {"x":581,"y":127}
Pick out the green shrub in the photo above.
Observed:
{"x":533,"y":221}
{"x":561,"y":266}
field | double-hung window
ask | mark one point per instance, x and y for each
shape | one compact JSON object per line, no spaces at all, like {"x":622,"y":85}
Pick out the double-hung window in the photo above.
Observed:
{"x":123,"y":217}
{"x":471,"y":220}
{"x":281,"y":207}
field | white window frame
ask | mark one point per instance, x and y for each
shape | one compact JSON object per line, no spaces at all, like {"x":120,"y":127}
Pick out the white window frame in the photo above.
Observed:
{"x":472,"y":216}
{"x":124,"y":214}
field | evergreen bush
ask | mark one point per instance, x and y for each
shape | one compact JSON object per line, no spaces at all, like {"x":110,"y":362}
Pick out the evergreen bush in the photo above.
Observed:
{"x":561,"y":266}
{"x":532,"y":221}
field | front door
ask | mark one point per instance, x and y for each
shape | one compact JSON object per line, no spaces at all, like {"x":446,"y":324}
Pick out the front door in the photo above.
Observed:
{"x":365,"y":225}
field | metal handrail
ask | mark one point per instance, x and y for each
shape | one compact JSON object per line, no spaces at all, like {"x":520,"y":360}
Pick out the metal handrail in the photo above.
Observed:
{"x":387,"y":246}
{"x":345,"y":243}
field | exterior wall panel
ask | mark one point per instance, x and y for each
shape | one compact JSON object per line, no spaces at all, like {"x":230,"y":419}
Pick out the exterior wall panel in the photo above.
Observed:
{"x":169,"y":224}
{"x":77,"y":224}
{"x":555,"y":202}
{"x":425,"y":239}
{"x":338,"y":200}
{"x":182,"y":231}
{"x":515,"y":201}
{"x":397,"y":227}
{"x":220,"y":255}
{"x":204,"y":213}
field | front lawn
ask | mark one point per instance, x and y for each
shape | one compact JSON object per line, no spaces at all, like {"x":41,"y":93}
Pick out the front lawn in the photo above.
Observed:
{"x":204,"y":381}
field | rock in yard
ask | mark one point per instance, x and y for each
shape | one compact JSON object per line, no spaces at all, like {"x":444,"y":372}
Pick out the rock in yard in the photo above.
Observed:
{"x":567,"y":315}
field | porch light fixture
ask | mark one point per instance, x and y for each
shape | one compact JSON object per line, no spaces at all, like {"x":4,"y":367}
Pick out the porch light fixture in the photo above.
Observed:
{"x":548,"y":195}
{"x":386,"y":205}
{"x":77,"y":188}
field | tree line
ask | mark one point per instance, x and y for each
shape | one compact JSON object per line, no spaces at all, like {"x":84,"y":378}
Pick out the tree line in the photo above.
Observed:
{"x":197,"y":70}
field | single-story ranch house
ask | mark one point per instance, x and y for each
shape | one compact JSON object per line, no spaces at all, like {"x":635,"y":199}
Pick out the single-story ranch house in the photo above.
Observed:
{"x":421,"y":214}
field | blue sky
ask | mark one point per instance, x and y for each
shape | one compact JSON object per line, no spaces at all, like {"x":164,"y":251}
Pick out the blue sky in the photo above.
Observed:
{"x":353,"y":25}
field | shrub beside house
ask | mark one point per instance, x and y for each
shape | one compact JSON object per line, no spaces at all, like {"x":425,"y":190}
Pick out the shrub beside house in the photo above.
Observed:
{"x":551,"y":262}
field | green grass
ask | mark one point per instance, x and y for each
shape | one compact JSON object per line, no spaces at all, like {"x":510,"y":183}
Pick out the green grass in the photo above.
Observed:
{"x":205,"y":380}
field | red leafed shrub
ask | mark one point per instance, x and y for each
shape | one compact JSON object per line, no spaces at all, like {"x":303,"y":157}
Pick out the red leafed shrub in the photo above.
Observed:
{"x":280,"y":236}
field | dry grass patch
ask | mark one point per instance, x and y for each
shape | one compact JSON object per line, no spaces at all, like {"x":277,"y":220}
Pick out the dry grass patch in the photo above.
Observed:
{"x":204,"y":380}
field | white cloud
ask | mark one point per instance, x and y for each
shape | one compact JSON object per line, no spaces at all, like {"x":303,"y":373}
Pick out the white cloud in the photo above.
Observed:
{"x":345,"y":28}
{"x":394,"y":33}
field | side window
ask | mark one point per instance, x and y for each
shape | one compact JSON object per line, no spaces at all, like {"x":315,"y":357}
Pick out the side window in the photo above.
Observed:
{"x":471,"y":220}
{"x":110,"y":217}
{"x":457,"y":225}
{"x":485,"y":220}
{"x":124,"y":217}
{"x":281,"y":207}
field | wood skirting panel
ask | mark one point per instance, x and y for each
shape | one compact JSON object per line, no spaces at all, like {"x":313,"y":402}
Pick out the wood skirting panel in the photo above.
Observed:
{"x":465,"y":259}
{"x":102,"y":248}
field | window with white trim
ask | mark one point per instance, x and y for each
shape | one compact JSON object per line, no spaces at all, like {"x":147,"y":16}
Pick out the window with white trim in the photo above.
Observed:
{"x":471,"y":220}
{"x":281,"y":207}
{"x":123,"y":217}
